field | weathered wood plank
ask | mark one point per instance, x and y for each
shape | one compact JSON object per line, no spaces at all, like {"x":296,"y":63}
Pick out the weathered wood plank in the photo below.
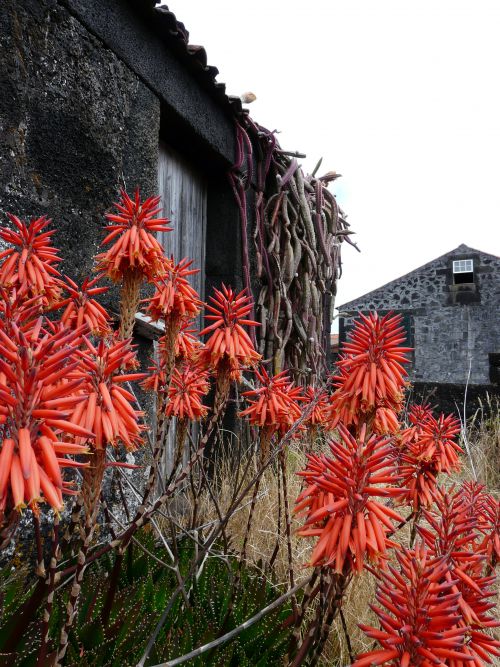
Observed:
{"x":184,"y":198}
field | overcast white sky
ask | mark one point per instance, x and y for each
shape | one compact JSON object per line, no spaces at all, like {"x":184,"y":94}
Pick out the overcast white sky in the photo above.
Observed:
{"x":402,"y":98}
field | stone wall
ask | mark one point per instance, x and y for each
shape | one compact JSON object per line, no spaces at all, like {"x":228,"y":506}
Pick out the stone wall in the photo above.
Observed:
{"x":451,"y":326}
{"x":75,"y":123}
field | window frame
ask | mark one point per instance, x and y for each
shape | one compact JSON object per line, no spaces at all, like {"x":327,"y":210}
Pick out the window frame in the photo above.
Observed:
{"x":466,"y":263}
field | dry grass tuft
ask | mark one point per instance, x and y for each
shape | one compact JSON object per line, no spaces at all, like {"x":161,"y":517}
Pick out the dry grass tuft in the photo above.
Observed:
{"x":266,"y":533}
{"x":484,"y":438}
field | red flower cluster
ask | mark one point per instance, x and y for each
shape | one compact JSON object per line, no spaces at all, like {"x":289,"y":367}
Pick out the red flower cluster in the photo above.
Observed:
{"x":454,"y":533}
{"x":174,"y":297}
{"x":187,"y":345}
{"x":82,"y":308}
{"x":371,"y":376}
{"x":489,"y":526}
{"x":27,"y":266}
{"x":319,"y":413}
{"x":185,"y":394}
{"x":107,"y":410}
{"x":229,"y":346}
{"x":187,"y":349}
{"x":37,"y":397}
{"x":339,"y":501}
{"x":135,"y":248}
{"x":417,"y":613}
{"x":273,"y":406}
{"x":485,"y":510}
{"x":437,"y":442}
{"x":428,"y":447}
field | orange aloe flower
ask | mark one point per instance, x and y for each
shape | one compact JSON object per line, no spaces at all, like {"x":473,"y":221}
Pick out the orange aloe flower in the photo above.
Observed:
{"x":107,"y":410}
{"x":28,"y":266}
{"x":371,"y":374}
{"x":37,"y":397}
{"x":185,"y":394}
{"x":419,"y":414}
{"x":453,"y":532}
{"x":485,"y":510}
{"x":428,"y":447}
{"x":187,"y":348}
{"x":437,"y":441}
{"x":273,"y":407}
{"x":134,"y":248}
{"x":24,"y":312}
{"x":319,"y":414}
{"x":175,"y":301}
{"x":81,"y":308}
{"x":339,"y":502}
{"x":229,"y":346}
{"x":418,"y":476}
{"x":174,"y":297}
{"x":417,"y":614}
{"x":187,"y":345}
{"x":490,"y":528}
{"x":156,"y":379}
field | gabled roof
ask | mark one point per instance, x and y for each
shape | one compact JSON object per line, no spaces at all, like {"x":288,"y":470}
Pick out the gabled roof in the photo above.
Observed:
{"x":459,"y":250}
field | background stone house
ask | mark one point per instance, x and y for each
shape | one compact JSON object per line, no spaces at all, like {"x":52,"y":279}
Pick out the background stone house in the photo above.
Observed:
{"x":450,"y":308}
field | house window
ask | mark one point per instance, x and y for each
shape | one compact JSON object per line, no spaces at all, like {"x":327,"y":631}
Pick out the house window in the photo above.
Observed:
{"x":463,"y":271}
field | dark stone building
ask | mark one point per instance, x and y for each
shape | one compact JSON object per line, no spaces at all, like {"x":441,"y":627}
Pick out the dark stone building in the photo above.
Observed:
{"x":96,"y":95}
{"x":92,"y":96}
{"x":450,"y":309}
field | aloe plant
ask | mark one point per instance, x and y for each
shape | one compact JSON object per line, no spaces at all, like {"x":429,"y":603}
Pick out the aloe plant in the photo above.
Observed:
{"x":142,"y":592}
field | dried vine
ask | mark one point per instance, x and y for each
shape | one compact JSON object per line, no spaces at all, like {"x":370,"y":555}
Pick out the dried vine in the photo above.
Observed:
{"x":297,"y":230}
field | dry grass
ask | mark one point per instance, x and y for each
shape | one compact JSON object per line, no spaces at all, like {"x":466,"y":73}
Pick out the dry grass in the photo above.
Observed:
{"x":483,"y":434}
{"x":265,"y":533}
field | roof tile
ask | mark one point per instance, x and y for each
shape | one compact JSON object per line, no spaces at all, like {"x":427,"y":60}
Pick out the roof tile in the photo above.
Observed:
{"x":176,"y":35}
